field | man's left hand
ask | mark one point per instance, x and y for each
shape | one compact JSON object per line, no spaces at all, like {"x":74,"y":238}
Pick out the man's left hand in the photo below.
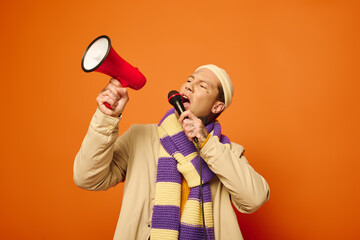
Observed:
{"x":193,"y":126}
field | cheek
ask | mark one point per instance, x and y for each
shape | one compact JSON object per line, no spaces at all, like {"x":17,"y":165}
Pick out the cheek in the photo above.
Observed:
{"x":182,"y":87}
{"x":204,"y":104}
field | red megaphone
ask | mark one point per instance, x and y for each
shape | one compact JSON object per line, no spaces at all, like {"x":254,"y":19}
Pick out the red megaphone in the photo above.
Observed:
{"x":101,"y":57}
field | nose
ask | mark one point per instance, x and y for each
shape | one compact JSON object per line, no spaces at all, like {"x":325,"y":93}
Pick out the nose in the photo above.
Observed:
{"x":189,"y":86}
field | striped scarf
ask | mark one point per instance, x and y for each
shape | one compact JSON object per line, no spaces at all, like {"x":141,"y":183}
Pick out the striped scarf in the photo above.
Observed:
{"x":178,"y":158}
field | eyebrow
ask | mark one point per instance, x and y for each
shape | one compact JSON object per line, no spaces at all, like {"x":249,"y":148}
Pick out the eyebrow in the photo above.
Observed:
{"x":207,"y":82}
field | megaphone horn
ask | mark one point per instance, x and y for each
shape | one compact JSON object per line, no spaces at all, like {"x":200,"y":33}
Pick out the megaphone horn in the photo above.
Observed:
{"x":101,"y":57}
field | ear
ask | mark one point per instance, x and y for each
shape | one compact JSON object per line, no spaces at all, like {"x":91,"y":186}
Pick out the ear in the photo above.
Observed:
{"x":218,"y":107}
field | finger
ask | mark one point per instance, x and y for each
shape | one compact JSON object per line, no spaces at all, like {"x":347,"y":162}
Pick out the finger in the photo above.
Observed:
{"x":189,"y":114}
{"x":191,"y":136}
{"x":110,"y":101}
{"x":186,"y":121}
{"x":101,"y":105}
{"x":109,"y":95}
{"x":188,"y":124}
{"x":189,"y":128}
{"x":184,"y":115}
{"x":115,"y":82}
{"x":112,"y":86}
{"x":108,"y":87}
{"x":105,"y":110}
{"x":113,"y":90}
{"x":102,"y":99}
{"x":122,"y":92}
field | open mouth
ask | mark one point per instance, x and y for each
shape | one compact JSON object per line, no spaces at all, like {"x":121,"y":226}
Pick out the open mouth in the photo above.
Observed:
{"x":185,"y":101}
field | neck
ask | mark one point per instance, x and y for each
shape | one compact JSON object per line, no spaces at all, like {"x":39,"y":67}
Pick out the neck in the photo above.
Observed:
{"x":207,"y":119}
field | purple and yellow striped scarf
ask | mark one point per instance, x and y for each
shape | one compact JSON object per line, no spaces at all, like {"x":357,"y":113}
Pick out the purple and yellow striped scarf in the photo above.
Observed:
{"x":178,"y":158}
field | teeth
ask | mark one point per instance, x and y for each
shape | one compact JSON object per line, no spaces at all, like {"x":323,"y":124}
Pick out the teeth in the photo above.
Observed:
{"x":185,"y":97}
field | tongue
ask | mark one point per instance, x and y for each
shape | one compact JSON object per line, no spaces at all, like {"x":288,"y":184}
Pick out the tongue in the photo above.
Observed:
{"x":186,"y":105}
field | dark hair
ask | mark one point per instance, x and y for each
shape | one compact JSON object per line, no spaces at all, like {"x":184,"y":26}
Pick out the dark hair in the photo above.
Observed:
{"x":211,"y":117}
{"x":220,"y":98}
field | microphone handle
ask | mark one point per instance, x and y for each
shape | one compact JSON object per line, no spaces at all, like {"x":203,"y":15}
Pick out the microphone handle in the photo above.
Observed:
{"x":180,"y":109}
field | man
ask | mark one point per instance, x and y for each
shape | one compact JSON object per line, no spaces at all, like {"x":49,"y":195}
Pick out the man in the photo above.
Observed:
{"x":159,"y":164}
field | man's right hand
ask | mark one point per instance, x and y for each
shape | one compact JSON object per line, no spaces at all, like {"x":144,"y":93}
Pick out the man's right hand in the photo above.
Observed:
{"x":115,"y":95}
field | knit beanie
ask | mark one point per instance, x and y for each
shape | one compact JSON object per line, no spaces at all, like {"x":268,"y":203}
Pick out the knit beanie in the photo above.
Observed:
{"x":225,"y":81}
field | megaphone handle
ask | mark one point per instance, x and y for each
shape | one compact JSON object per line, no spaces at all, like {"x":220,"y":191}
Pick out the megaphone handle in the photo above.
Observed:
{"x":123,"y":84}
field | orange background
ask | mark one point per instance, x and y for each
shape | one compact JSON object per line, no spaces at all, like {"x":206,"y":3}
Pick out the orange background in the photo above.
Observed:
{"x":295,"y":68}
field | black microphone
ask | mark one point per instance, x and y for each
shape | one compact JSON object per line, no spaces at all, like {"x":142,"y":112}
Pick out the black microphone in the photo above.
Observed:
{"x":175,"y":99}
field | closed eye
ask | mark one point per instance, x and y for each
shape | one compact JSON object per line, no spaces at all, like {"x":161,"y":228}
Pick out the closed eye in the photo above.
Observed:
{"x":190,"y":78}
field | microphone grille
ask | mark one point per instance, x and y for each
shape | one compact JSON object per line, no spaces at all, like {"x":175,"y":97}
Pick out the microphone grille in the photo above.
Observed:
{"x":174,"y":96}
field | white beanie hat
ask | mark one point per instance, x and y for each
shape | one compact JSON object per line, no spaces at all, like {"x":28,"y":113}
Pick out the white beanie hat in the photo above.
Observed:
{"x":225,"y":81}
